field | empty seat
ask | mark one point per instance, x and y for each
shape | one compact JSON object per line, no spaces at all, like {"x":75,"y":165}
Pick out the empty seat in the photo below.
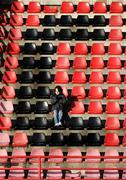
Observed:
{"x":22,"y":123}
{"x":124,"y":140}
{"x":50,"y":9}
{"x":48,"y":34}
{"x":47,"y":48}
{"x":40,"y":123}
{"x":13,"y":48}
{"x":28,"y":63}
{"x":33,"y":174}
{"x":18,"y":152}
{"x":25,"y":92}
{"x":49,"y":20}
{"x":43,"y":92}
{"x":11,"y":62}
{"x":61,"y":77}
{"x":45,"y":63}
{"x":113,"y":77}
{"x":63,"y":49}
{"x":112,"y":123}
{"x":55,"y":152}
{"x":9,"y":77}
{"x":74,"y":152}
{"x":115,"y":21}
{"x":36,"y":151}
{"x":65,"y":34}
{"x":82,"y":20}
{"x":79,"y":92}
{"x":41,"y":107}
{"x":99,"y":7}
{"x":31,"y":34}
{"x":92,"y":174}
{"x":113,"y":174}
{"x":96,"y":77}
{"x":98,"y":34}
{"x":124,"y":109}
{"x":66,"y":20}
{"x":93,"y":139}
{"x":15,"y":34}
{"x":82,"y":34}
{"x":78,"y":108}
{"x":33,"y":20}
{"x":16,"y":173}
{"x":4,"y":139}
{"x":95,"y":107}
{"x":2,"y":33}
{"x":95,"y":92}
{"x":62,"y":63}
{"x":54,"y":174}
{"x":38,"y":139}
{"x":115,"y":49}
{"x":20,"y":139}
{"x":1,"y":48}
{"x":113,"y":108}
{"x":65,"y":91}
{"x":97,"y":63}
{"x":80,"y":49}
{"x":124,"y":174}
{"x":6,"y":107}
{"x":57,"y":139}
{"x":97,"y":49}
{"x":111,"y":139}
{"x":3,"y":18}
{"x":8,"y":92}
{"x":75,"y":139}
{"x":115,"y":35}
{"x":24,"y":107}
{"x":114,"y":63}
{"x":76,"y":123}
{"x":99,"y":20}
{"x":124,"y":124}
{"x":67,"y":7}
{"x":18,"y":7}
{"x":113,"y":92}
{"x":83,"y":7}
{"x":44,"y":77}
{"x":5,"y":123}
{"x":30,"y":48}
{"x":34,"y":7}
{"x":116,"y":7}
{"x":94,"y":123}
{"x":92,"y":152}
{"x":26,"y":77}
{"x":16,"y":20}
{"x":111,"y":152}
{"x":79,"y":77}
{"x":3,"y":152}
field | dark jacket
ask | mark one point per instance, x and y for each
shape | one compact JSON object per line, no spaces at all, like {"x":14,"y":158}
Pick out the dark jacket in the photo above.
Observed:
{"x":58,"y":101}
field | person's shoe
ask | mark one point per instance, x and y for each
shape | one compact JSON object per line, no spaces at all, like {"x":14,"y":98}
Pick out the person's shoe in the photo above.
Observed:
{"x":56,"y":124}
{"x":60,"y":124}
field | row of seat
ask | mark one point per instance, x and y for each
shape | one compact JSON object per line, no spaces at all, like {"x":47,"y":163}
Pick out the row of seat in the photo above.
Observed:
{"x":20,"y":139}
{"x":63,"y":34}
{"x":68,"y":7}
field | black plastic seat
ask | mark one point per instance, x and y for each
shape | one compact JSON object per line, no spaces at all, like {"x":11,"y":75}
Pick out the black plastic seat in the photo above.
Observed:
{"x":41,"y":107}
{"x":94,"y":123}
{"x":45,"y":63}
{"x":75,"y":139}
{"x":82,"y":20}
{"x":44,"y":77}
{"x":76,"y":123}
{"x":22,"y":123}
{"x":38,"y":139}
{"x":82,"y":34}
{"x":57,"y":139}
{"x":66,"y":20}
{"x":49,"y":20}
{"x":24,"y":107}
{"x":65,"y":34}
{"x":43,"y":92}
{"x":99,"y":20}
{"x":93,"y":139}
{"x":26,"y":77}
{"x":31,"y":34}
{"x":48,"y":34}
{"x":30,"y":48}
{"x":28,"y":63}
{"x":98,"y":34}
{"x":25,"y":92}
{"x":47,"y":48}
{"x":40,"y":123}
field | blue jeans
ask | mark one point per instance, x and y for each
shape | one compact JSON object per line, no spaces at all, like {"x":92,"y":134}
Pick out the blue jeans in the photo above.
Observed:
{"x":57,"y":116}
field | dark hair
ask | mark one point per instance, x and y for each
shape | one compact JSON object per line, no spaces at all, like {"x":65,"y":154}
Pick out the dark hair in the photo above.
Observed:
{"x":59,"y":89}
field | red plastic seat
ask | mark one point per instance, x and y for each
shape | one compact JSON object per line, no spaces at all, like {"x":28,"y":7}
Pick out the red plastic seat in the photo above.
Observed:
{"x":63,"y":49}
{"x":16,"y":174}
{"x":124,"y":110}
{"x":16,"y":20}
{"x":5,"y":123}
{"x":54,"y":174}
{"x":67,"y":7}
{"x":79,"y":77}
{"x":35,"y":151}
{"x":20,"y":139}
{"x":97,"y":49}
{"x":17,"y":7}
{"x":114,"y":63}
{"x":61,"y":77}
{"x":113,"y":108}
{"x":79,"y":63}
{"x":116,"y":20}
{"x":79,"y":92}
{"x":34,"y":7}
{"x":6,"y":107}
{"x":8,"y":92}
{"x":111,"y":139}
{"x":3,"y":152}
{"x":15,"y":34}
{"x":96,"y":77}
{"x":113,"y":92}
{"x":99,"y":7}
{"x":1,"y":48}
{"x":115,"y":35}
{"x":9,"y":77}
{"x":11,"y":62}
{"x":111,"y":152}
{"x":4,"y":139}
{"x":97,"y":63}
{"x":95,"y":107}
{"x":111,"y":174}
{"x":74,"y":152}
{"x":124,"y":124}
{"x":116,"y":7}
{"x":32,"y":20}
{"x":112,"y":123}
{"x":92,"y":152}
{"x":92,"y":174}
{"x":124,"y":140}
{"x":65,"y":91}
{"x":125,"y":79}
{"x":62,"y":63}
{"x":18,"y":152}
{"x":2,"y":33}
{"x":33,"y":174}
{"x":115,"y":49}
{"x":78,"y":108}
{"x":3,"y":20}
{"x":124,"y":93}
{"x":50,"y":9}
{"x":13,"y":48}
{"x":83,"y":7}
{"x":113,"y":77}
{"x":55,"y":152}
{"x":80,"y":49}
{"x":95,"y":92}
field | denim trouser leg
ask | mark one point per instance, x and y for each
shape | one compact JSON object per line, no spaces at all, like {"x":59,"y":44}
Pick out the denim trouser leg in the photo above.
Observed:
{"x":60,"y":114}
{"x":55,"y":116}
